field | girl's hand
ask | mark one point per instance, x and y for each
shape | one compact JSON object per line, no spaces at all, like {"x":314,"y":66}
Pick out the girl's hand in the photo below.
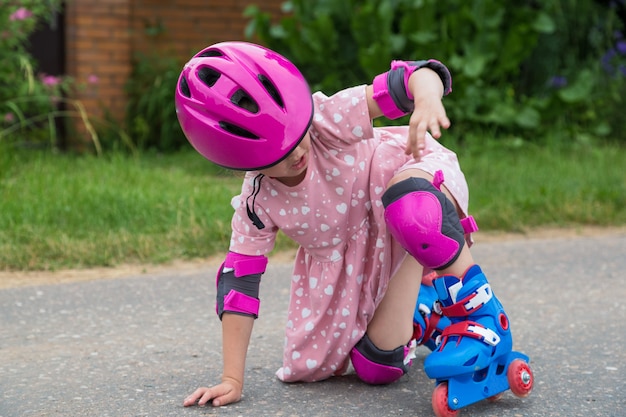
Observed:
{"x":225,"y":393}
{"x":429,"y":114}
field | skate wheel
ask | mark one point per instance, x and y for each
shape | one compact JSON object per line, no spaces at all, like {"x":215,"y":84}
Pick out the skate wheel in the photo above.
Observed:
{"x":440,"y":402}
{"x":520,"y":378}
{"x":495,"y":398}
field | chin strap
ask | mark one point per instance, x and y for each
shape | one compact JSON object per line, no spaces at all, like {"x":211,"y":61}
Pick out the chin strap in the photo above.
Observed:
{"x":256,"y":188}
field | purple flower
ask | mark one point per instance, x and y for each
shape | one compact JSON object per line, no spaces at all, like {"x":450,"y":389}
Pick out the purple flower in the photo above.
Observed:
{"x":9,"y":117}
{"x":606,"y":61}
{"x":558,"y":81}
{"x":21,"y":14}
{"x":621,"y":47}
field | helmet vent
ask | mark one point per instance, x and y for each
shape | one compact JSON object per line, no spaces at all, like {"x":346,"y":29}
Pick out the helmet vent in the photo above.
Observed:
{"x":209,"y":53}
{"x":208,"y":76}
{"x":272,"y":90}
{"x":243,"y":100}
{"x":237,"y":130}
{"x":184,"y":87}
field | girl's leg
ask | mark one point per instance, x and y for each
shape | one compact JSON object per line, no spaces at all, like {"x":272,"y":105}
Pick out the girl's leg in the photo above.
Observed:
{"x":384,"y":354}
{"x":392,"y":324}
{"x":381,"y":356}
{"x":425,"y":220}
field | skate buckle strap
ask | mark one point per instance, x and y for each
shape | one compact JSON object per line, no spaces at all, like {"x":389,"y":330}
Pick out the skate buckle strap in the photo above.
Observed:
{"x":431,"y":319}
{"x":469,"y":304}
{"x":474,"y":330}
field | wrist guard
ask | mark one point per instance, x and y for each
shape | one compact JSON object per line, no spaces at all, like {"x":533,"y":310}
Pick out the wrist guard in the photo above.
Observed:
{"x":391,"y":89}
{"x":238,"y":282}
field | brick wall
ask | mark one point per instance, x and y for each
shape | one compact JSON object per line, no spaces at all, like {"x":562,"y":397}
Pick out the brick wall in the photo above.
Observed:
{"x":102,"y":37}
{"x":98,"y":45}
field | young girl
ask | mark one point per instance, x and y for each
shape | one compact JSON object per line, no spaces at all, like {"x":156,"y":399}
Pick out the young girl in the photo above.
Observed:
{"x":368,"y":207}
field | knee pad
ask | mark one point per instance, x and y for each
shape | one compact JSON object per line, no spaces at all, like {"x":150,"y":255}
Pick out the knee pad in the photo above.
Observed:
{"x":424,"y":221}
{"x":378,"y":367}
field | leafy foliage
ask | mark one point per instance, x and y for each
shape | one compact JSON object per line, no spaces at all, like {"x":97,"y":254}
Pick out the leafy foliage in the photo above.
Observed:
{"x":151,"y":114}
{"x":506,"y":56}
{"x":26,"y":98}
{"x":35,"y":108}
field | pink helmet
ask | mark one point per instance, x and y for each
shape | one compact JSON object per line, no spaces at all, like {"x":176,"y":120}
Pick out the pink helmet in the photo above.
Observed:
{"x":243,"y":106}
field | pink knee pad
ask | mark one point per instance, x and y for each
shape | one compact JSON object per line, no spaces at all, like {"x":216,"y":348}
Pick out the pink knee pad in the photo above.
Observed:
{"x":379,"y":367}
{"x":424,"y":222}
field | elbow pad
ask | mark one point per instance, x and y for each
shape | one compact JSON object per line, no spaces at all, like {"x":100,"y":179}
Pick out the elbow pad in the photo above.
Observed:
{"x":238,"y":282}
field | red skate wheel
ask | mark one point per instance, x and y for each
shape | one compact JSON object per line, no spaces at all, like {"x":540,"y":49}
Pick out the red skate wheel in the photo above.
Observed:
{"x":520,"y":378}
{"x":440,"y":402}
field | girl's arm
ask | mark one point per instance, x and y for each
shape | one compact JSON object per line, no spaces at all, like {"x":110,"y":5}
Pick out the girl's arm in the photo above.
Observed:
{"x":426,"y":87}
{"x":236,"y":331}
{"x":237,"y":306}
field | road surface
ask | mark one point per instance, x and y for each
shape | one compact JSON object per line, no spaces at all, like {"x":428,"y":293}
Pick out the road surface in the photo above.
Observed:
{"x":136,"y":346}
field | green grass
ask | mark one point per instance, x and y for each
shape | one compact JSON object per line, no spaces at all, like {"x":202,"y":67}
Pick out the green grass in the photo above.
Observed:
{"x":64,"y":211}
{"x":516,"y":188}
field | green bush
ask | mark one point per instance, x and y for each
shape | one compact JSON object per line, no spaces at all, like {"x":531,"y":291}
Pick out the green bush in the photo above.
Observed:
{"x":576,"y":76}
{"x":151,"y":114}
{"x":35,"y":108}
{"x":28,"y":99}
{"x":506,"y":56}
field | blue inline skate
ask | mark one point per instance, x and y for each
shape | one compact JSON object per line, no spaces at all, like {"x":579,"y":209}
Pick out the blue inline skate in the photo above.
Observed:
{"x":474,"y":360}
{"x":428,"y":322}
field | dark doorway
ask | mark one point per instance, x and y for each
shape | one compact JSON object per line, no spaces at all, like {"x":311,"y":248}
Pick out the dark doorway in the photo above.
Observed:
{"x":47,"y":46}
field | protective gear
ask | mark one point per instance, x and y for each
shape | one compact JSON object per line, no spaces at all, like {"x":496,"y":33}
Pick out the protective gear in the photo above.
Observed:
{"x":391,"y":88}
{"x":243,"y":106}
{"x":479,"y":331}
{"x":238,"y":281}
{"x":378,"y":367}
{"x":428,"y":321}
{"x":475,"y":360}
{"x":424,"y":221}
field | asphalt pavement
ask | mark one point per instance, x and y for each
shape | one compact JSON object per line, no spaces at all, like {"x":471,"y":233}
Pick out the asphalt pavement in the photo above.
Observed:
{"x":136,"y":346}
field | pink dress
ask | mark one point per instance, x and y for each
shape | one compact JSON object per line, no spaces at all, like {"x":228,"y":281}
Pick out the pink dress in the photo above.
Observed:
{"x":346,"y":257}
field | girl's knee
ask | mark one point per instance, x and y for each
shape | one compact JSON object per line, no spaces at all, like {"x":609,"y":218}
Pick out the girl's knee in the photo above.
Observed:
{"x":409,"y":173}
{"x":376,"y":366}
{"x":424,"y":221}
